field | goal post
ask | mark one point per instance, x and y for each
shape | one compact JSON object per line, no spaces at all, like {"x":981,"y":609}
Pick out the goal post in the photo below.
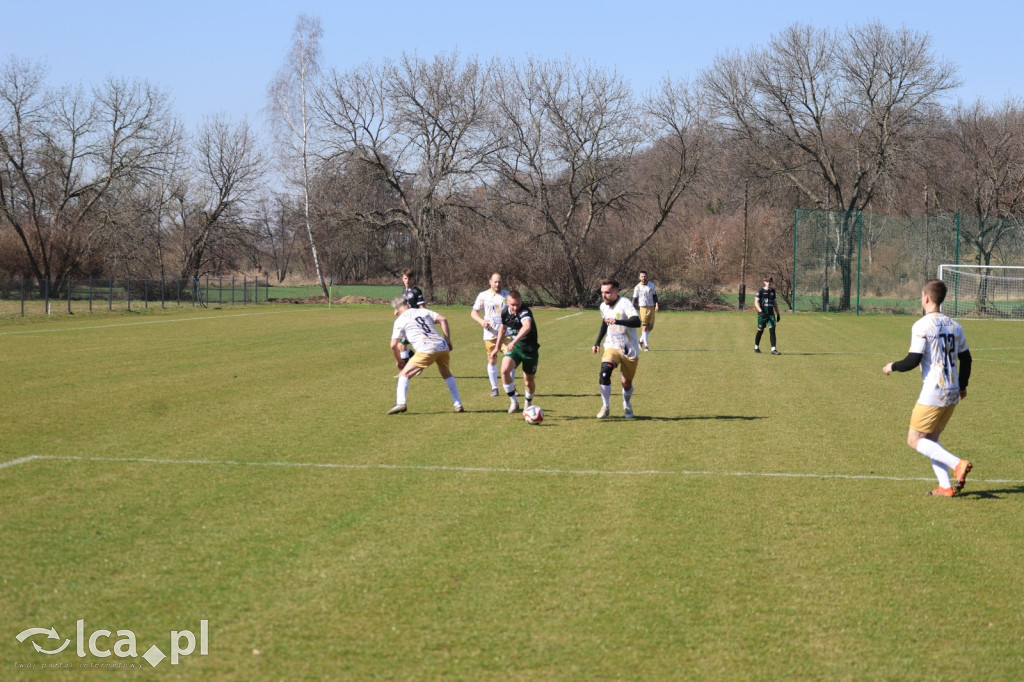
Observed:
{"x":992,"y":291}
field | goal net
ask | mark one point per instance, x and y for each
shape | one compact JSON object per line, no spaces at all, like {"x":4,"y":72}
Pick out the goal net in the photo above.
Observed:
{"x":983,"y":291}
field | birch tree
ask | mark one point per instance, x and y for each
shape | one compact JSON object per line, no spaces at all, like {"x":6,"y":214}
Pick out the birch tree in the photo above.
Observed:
{"x":290,"y":96}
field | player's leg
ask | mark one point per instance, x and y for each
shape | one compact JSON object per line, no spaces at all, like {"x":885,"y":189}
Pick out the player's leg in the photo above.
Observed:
{"x":926,"y":425}
{"x":530,"y":364}
{"x":627,"y":370}
{"x":760,"y":331}
{"x":443,"y":359}
{"x":504,"y":347}
{"x":508,"y":365}
{"x":531,"y":387}
{"x":492,"y":367}
{"x":604,"y":382}
{"x":413,"y":366}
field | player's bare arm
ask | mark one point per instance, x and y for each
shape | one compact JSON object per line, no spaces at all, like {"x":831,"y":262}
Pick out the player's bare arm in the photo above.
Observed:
{"x":396,"y":350}
{"x":479,"y":319}
{"x":442,"y":322}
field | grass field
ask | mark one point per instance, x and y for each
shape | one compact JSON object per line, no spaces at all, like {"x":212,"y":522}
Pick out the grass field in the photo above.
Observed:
{"x":762,"y":518}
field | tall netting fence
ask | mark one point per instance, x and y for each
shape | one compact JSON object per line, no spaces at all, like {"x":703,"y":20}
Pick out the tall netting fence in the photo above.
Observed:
{"x":865,"y":262}
{"x":22,"y":296}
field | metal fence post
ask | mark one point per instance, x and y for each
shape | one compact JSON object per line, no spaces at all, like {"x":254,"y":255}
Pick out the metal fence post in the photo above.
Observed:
{"x":796,"y":218}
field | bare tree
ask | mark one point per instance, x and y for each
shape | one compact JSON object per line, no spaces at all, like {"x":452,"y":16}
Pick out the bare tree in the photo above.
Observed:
{"x":290,"y":96}
{"x":418,"y":125}
{"x":212,"y":209}
{"x":277,"y":234}
{"x":831,"y":112}
{"x":983,"y":155}
{"x":64,"y":153}
{"x":568,"y":136}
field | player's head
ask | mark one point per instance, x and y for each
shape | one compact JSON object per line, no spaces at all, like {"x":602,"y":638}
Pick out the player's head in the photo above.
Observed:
{"x":514,"y":301}
{"x":495,"y":282}
{"x":400,"y":304}
{"x":610,"y":290}
{"x":935,"y":290}
{"x":643,"y":277}
{"x":408,"y":277}
{"x":768,"y":281}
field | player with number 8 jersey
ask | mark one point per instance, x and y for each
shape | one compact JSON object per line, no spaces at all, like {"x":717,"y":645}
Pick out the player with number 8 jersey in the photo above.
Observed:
{"x":431,"y":347}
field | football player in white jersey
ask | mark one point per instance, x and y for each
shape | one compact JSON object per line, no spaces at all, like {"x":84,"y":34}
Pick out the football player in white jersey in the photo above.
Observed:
{"x":419,"y":327}
{"x":619,"y":322}
{"x":937,"y":342}
{"x":645,"y":300}
{"x":487,"y":310}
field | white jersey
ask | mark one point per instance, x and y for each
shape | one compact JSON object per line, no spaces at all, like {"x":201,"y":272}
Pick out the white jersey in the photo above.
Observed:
{"x":417,"y":325}
{"x":619,"y":337}
{"x":644,"y":294}
{"x":491,"y":305}
{"x":940,"y":340}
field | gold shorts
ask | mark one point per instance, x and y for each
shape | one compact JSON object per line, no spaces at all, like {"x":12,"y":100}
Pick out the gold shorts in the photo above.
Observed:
{"x":625,"y":365}
{"x":424,"y":360}
{"x":930,"y":418}
{"x":647,"y":316}
{"x":489,"y":344}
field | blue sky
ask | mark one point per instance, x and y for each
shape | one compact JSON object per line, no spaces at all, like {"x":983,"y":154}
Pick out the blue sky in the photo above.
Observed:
{"x":217,"y":57}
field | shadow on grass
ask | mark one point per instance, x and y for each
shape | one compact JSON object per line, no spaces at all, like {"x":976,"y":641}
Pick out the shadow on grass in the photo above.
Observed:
{"x":992,"y":494}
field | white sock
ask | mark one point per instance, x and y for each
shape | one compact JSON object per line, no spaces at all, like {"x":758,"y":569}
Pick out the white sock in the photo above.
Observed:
{"x":492,"y":374}
{"x":606,"y":394}
{"x":403,"y":390}
{"x":935,"y":452}
{"x":643,"y":337}
{"x":941,"y":473}
{"x":510,"y":389}
{"x":454,"y":390}
{"x":627,"y":395}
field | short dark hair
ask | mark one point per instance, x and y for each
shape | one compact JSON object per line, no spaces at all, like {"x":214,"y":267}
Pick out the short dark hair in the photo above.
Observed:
{"x":643,"y":272}
{"x":516,"y":295}
{"x":936,"y":290}
{"x":409,"y":273}
{"x":610,"y":282}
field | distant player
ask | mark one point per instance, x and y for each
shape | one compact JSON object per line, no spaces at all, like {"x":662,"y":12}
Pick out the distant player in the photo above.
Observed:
{"x":937,"y":342}
{"x":645,"y":300}
{"x":619,"y":322}
{"x":767,"y":314}
{"x":414,"y":295}
{"x":487,"y":310}
{"x":419,"y":326}
{"x":518,"y":325}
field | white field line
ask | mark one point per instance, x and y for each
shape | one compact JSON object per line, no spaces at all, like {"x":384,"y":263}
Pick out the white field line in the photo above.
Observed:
{"x":566,"y":317}
{"x":481,"y":470}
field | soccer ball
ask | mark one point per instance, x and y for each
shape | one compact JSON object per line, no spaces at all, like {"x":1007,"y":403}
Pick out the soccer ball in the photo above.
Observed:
{"x":533,"y":414}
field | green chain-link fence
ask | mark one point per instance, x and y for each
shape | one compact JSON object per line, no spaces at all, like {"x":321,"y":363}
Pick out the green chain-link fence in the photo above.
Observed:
{"x":856,"y":261}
